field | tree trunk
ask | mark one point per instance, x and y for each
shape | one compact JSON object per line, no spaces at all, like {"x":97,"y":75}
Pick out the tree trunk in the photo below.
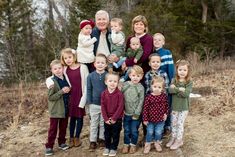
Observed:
{"x":204,"y":11}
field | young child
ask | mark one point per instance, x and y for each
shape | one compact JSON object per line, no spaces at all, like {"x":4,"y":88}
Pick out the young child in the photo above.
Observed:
{"x":76,"y":75}
{"x":167,"y":65}
{"x":155,"y":113}
{"x":95,"y":86}
{"x":112,"y":105}
{"x":58,"y":96}
{"x":154,"y":63}
{"x":180,"y":90}
{"x":117,"y":39}
{"x":85,"y":42}
{"x":134,"y":97}
{"x":135,"y":51}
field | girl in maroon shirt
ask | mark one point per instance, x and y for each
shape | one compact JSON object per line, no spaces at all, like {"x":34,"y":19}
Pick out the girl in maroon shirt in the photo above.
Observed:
{"x":155,"y":113}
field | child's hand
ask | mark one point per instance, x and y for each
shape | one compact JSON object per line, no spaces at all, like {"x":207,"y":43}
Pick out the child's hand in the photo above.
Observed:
{"x":135,"y":60}
{"x":112,"y":121}
{"x":94,"y":38}
{"x":108,"y":122}
{"x":172,"y":86}
{"x":146,"y":123}
{"x":164,"y":117}
{"x":124,"y":66}
{"x":182,"y":89}
{"x":66,"y":89}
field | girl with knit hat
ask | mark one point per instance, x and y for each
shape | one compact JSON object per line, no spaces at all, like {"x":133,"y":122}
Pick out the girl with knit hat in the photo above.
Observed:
{"x":85,"y":42}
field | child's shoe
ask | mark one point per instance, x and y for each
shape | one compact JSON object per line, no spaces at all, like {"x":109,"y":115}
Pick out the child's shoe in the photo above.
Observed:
{"x":125,"y":149}
{"x":112,"y":153}
{"x":92,"y":146}
{"x":106,"y":152}
{"x":157,"y":146}
{"x":71,"y":142}
{"x":172,"y":140}
{"x":63,"y":146}
{"x":77,"y":142}
{"x":147,"y":147}
{"x":49,"y":152}
{"x":101,"y":143}
{"x":132,"y":149}
{"x":176,"y":144}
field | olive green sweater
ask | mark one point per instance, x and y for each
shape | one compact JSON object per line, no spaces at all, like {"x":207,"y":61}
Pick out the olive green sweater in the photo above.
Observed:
{"x":180,"y":100}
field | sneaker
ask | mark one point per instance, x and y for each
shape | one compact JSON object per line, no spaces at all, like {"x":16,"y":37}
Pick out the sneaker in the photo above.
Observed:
{"x":132,"y":149}
{"x":147,"y":148}
{"x":106,"y":152}
{"x":176,"y":144}
{"x":49,"y":151}
{"x":125,"y":149}
{"x":157,"y":146}
{"x":63,"y":146}
{"x":101,"y":143}
{"x":170,"y":142}
{"x":112,"y":153}
{"x":77,"y":142}
{"x":92,"y":146}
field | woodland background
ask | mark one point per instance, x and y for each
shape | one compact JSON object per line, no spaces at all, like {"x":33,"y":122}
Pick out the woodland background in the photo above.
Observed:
{"x":33,"y":32}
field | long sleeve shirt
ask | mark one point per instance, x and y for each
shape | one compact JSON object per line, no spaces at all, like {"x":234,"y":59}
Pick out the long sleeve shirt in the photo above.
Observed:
{"x":167,"y":63}
{"x":112,"y":105}
{"x":95,"y":86}
{"x":155,"y":106}
{"x":117,"y":40}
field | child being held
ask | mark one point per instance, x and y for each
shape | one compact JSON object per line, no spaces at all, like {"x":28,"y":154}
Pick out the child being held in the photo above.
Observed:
{"x":85,"y":47}
{"x":135,"y":51}
{"x":134,"y":97}
{"x":155,"y":113}
{"x":112,"y":106}
{"x":58,"y":97}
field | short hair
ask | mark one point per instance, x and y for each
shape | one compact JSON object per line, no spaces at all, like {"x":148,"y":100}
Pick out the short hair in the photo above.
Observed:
{"x":137,"y":69}
{"x":158,"y":79}
{"x":134,"y":39}
{"x":140,"y":18}
{"x":159,"y":34}
{"x":118,"y":20}
{"x":67,"y":51}
{"x":183,"y":63}
{"x":102,"y":12}
{"x":111,"y":73}
{"x":102,"y":56}
{"x":55,"y":62}
{"x":154,"y":55}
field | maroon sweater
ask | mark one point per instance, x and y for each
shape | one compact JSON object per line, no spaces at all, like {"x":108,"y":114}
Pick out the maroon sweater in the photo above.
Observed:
{"x":112,"y":104}
{"x":147,"y":45}
{"x":155,"y":106}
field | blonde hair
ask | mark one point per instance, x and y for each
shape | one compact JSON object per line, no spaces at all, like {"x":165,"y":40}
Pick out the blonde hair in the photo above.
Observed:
{"x":158,"y":79}
{"x":67,"y":51}
{"x":183,"y":63}
{"x":102,"y":12}
{"x":102,"y":56}
{"x":140,"y":18}
{"x":117,"y":20}
{"x":55,"y":62}
{"x":111,"y":73}
{"x":159,"y":34}
{"x":137,"y":69}
{"x":135,"y":40}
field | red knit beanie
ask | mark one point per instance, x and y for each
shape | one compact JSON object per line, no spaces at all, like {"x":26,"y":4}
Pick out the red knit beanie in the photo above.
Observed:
{"x":83,"y":23}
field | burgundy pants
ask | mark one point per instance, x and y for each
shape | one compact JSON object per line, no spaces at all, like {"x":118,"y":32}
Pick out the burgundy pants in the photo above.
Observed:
{"x":55,"y":124}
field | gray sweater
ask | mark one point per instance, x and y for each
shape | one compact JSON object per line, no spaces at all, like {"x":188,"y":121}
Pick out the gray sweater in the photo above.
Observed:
{"x":95,"y":86}
{"x":134,"y":98}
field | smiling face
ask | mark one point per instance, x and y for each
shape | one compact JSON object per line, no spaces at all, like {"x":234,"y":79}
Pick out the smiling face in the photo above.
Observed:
{"x":112,"y":81}
{"x":158,"y":41}
{"x":182,"y":71}
{"x":100,"y":64}
{"x":57,"y":70}
{"x":139,"y":28}
{"x":102,"y":21}
{"x":69,"y":59}
{"x":155,"y":62}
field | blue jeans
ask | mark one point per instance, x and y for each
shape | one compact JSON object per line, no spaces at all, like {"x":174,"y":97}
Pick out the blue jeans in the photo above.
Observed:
{"x":131,"y":132}
{"x":75,"y":123}
{"x":154,"y":131}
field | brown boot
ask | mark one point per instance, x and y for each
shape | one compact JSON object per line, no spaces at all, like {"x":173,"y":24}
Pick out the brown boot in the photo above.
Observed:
{"x":147,"y":147}
{"x":101,"y":143}
{"x":132,"y":149}
{"x":71,"y":142}
{"x":92,"y":146}
{"x":125,"y":149}
{"x":77,"y":142}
